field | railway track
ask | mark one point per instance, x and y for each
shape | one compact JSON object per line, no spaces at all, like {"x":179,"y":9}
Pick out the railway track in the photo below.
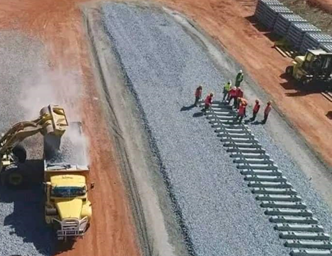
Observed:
{"x":295,"y":223}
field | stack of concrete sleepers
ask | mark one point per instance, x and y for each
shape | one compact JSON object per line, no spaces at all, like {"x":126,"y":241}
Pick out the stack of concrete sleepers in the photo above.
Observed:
{"x":262,"y":9}
{"x":326,"y":47}
{"x":284,"y":21}
{"x":312,"y":40}
{"x":272,"y":13}
{"x":297,"y":31}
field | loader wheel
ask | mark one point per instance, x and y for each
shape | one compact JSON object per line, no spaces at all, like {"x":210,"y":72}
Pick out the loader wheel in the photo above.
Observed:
{"x":20,"y":152}
{"x":289,"y":70}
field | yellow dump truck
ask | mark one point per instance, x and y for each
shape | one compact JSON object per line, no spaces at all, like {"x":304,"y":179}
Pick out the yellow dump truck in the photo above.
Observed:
{"x":67,"y":208}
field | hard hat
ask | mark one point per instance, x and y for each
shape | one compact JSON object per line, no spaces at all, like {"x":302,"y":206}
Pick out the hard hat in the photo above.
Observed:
{"x":211,"y":94}
{"x":241,"y":71}
{"x":257,"y":101}
{"x":269,"y":103}
{"x":229,"y":81}
{"x":200,"y":87}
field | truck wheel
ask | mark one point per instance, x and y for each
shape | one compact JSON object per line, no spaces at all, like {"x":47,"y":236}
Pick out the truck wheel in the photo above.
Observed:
{"x":12,"y":177}
{"x":289,"y":70}
{"x":20,"y":152}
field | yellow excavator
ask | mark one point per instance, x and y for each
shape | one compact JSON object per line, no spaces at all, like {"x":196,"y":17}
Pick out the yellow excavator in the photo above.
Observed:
{"x":67,"y":208}
{"x":51,"y":123}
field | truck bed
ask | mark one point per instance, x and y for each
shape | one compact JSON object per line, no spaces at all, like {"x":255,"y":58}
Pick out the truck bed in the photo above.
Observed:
{"x":72,"y":154}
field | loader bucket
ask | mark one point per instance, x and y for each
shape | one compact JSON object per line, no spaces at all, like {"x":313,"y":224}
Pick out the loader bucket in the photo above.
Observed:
{"x":55,"y":120}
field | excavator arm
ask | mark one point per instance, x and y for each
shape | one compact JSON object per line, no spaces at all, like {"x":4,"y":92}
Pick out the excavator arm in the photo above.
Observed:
{"x":52,"y":122}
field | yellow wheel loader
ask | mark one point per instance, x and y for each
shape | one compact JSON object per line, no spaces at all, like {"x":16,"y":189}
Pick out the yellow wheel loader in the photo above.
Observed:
{"x":67,"y":208}
{"x":315,"y":66}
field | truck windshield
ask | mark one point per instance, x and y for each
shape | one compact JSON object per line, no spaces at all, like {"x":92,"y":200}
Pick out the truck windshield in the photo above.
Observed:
{"x":68,"y":191}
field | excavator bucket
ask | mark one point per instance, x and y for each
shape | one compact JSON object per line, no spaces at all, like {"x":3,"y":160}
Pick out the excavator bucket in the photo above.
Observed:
{"x":54,"y":126}
{"x":54,"y":120}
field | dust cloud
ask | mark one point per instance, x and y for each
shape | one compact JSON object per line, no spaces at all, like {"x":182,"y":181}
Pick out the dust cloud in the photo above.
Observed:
{"x":63,"y":88}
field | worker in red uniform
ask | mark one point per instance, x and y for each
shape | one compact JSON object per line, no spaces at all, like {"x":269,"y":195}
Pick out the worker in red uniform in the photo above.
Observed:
{"x":232,"y":95}
{"x":208,"y":102}
{"x":267,"y":112}
{"x":238,"y":97}
{"x":241,"y":113}
{"x":255,"y":110}
{"x":198,"y":94}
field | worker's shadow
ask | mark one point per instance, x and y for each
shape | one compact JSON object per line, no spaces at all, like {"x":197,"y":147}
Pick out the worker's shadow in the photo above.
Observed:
{"x":198,"y":114}
{"x":256,"y":122}
{"x":187,"y":108}
{"x":24,"y":210}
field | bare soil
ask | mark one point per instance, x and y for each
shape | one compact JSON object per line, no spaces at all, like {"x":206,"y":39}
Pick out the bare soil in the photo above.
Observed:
{"x":325,"y":5}
{"x":313,"y":11}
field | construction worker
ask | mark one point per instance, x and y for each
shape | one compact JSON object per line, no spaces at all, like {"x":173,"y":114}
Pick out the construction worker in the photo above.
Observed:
{"x":239,"y":78}
{"x":226,"y":90}
{"x":255,"y":110}
{"x":198,"y":94}
{"x":232,"y":94}
{"x":241,"y":111}
{"x":208,"y":102}
{"x":267,"y":112}
{"x":238,"y":97}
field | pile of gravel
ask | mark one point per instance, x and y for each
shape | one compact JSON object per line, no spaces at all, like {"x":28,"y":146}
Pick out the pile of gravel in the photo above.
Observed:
{"x":22,"y":228}
{"x":163,"y":65}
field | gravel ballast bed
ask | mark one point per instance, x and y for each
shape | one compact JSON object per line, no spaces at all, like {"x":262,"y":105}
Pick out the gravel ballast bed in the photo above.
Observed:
{"x":164,"y":65}
{"x":22,"y":228}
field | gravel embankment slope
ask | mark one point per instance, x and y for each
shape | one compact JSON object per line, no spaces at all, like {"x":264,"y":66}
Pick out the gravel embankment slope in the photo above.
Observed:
{"x":164,"y":65}
{"x":22,"y":228}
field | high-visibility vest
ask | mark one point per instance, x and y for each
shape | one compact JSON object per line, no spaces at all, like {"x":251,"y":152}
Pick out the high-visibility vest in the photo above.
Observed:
{"x":239,"y":93}
{"x":227,"y":87}
{"x":242,"y":110}
{"x":239,"y":77}
{"x":267,"y":109}
{"x":208,"y":100}
{"x":256,"y":107}
{"x":232,"y":92}
{"x":198,"y":92}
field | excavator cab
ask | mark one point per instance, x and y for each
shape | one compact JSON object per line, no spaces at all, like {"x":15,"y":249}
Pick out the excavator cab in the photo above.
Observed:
{"x":316,"y":65}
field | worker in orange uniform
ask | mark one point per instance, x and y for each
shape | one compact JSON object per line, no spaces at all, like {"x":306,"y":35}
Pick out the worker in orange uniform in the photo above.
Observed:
{"x":238,"y":97}
{"x":241,"y":113}
{"x":208,"y":102}
{"x":267,"y":112}
{"x":255,"y":110}
{"x":198,"y":94}
{"x":232,"y":95}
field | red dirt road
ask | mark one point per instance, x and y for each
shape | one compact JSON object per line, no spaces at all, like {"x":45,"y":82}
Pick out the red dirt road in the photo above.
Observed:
{"x":228,"y":22}
{"x":325,"y":5}
{"x":58,"y":24}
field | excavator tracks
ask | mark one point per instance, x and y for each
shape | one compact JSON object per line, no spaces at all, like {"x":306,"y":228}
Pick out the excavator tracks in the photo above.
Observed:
{"x":295,"y":223}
